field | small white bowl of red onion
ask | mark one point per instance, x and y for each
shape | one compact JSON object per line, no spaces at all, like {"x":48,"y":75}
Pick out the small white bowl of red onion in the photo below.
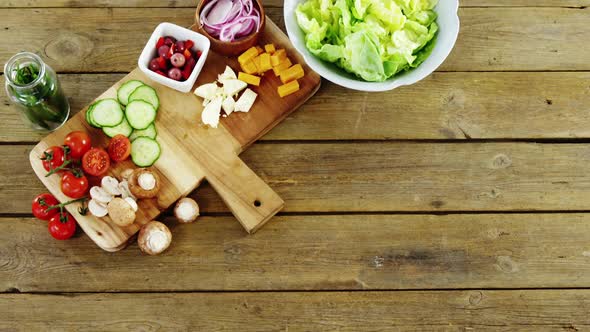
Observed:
{"x":174,"y":56}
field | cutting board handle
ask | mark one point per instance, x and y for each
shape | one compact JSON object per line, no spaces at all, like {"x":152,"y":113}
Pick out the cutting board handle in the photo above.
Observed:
{"x":248,"y":197}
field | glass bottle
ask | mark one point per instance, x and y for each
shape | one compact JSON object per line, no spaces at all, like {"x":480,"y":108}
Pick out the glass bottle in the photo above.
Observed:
{"x":33,"y":86}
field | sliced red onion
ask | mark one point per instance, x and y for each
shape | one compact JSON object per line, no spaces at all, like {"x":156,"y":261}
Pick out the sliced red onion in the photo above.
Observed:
{"x":230,"y":20}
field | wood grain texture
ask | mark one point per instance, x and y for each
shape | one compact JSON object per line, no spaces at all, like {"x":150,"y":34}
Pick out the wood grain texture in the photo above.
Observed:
{"x":385,"y":177}
{"x":267,"y":3}
{"x":453,"y":106}
{"x":491,"y":39}
{"x":367,"y":252}
{"x":537,"y":310}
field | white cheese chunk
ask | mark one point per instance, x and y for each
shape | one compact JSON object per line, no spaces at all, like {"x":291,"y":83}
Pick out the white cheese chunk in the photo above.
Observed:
{"x":245,"y":102}
{"x":207,"y":91}
{"x":228,"y":105}
{"x":210,"y":115}
{"x":227,"y":74}
{"x":233,"y":86}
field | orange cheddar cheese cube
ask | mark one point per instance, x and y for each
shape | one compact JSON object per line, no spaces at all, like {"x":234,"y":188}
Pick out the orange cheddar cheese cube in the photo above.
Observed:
{"x":256,"y":62}
{"x":292,"y":73}
{"x":250,"y":79}
{"x":282,"y":66}
{"x":249,"y":67}
{"x":248,"y":55}
{"x":277,"y":57}
{"x":289,"y":88}
{"x":269,"y":48}
{"x":264,"y":63}
{"x":259,"y":49}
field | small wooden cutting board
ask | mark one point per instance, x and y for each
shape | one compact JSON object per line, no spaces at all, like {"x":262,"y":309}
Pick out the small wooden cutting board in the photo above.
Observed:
{"x":191,"y":151}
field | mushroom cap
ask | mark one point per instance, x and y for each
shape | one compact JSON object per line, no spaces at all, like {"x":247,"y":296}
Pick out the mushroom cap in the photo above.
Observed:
{"x":137,"y":190}
{"x":154,"y":238}
{"x":121,"y":212}
{"x":186,"y":210}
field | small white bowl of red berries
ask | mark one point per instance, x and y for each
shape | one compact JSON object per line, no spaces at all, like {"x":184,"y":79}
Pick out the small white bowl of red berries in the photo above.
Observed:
{"x":174,"y":56}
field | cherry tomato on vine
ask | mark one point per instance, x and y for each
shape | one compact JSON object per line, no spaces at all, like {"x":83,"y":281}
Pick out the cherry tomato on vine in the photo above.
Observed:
{"x":53,"y":157}
{"x":40,"y":205}
{"x":74,"y":184}
{"x":78,"y":142}
{"x":62,"y":226}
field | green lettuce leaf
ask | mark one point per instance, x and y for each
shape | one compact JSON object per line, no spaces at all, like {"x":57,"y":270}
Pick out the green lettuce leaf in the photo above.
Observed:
{"x":372,"y":39}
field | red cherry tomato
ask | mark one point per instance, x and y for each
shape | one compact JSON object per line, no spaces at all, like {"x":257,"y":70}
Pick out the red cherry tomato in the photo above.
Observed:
{"x":40,"y":205}
{"x":53,"y":157}
{"x":96,"y":162}
{"x":62,"y":226}
{"x":74,"y":184}
{"x":119,"y":148}
{"x":78,"y":142}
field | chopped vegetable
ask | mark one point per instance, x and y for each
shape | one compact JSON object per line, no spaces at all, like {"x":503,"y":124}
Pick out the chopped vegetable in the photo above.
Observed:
{"x":293,"y":73}
{"x":289,"y":88}
{"x":230,"y":20}
{"x":374,"y":39}
{"x":250,"y":79}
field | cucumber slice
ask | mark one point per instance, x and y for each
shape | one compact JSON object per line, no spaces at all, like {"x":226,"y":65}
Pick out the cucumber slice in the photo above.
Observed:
{"x":145,"y":93}
{"x":140,"y":114}
{"x":126,"y":89}
{"x":150,"y":132}
{"x":107,"y":113}
{"x":145,"y":151}
{"x":122,"y":128}
{"x":89,"y":117}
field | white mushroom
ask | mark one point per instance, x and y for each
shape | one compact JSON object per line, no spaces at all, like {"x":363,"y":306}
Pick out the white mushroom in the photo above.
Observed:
{"x":154,"y":237}
{"x":124,"y":189}
{"x":97,"y":209}
{"x":100,"y":195}
{"x":132,"y":202}
{"x":146,"y":181}
{"x":186,"y":210}
{"x":111,"y":185}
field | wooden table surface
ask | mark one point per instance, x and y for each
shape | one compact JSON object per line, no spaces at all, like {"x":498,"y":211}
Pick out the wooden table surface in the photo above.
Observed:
{"x":459,"y":203}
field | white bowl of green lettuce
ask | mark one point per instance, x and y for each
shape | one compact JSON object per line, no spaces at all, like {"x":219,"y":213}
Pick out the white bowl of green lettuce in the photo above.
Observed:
{"x":373,"y":45}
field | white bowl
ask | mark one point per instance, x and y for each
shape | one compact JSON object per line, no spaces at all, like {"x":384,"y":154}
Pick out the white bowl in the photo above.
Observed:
{"x":149,"y":52}
{"x":448,"y":22}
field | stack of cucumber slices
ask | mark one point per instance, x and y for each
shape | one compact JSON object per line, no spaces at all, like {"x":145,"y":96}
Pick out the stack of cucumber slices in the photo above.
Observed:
{"x":133,"y":115}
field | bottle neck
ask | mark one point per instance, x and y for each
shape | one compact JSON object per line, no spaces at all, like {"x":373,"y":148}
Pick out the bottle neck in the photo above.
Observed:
{"x":24,"y":71}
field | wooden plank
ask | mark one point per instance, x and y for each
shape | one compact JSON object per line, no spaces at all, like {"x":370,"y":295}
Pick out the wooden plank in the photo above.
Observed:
{"x":267,"y":3}
{"x":368,"y":252}
{"x":452,"y":106}
{"x":491,"y":39}
{"x":524,"y":310}
{"x":384,"y":177}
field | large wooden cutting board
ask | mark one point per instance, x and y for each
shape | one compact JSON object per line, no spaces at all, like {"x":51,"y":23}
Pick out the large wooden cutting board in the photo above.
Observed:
{"x":191,"y":151}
